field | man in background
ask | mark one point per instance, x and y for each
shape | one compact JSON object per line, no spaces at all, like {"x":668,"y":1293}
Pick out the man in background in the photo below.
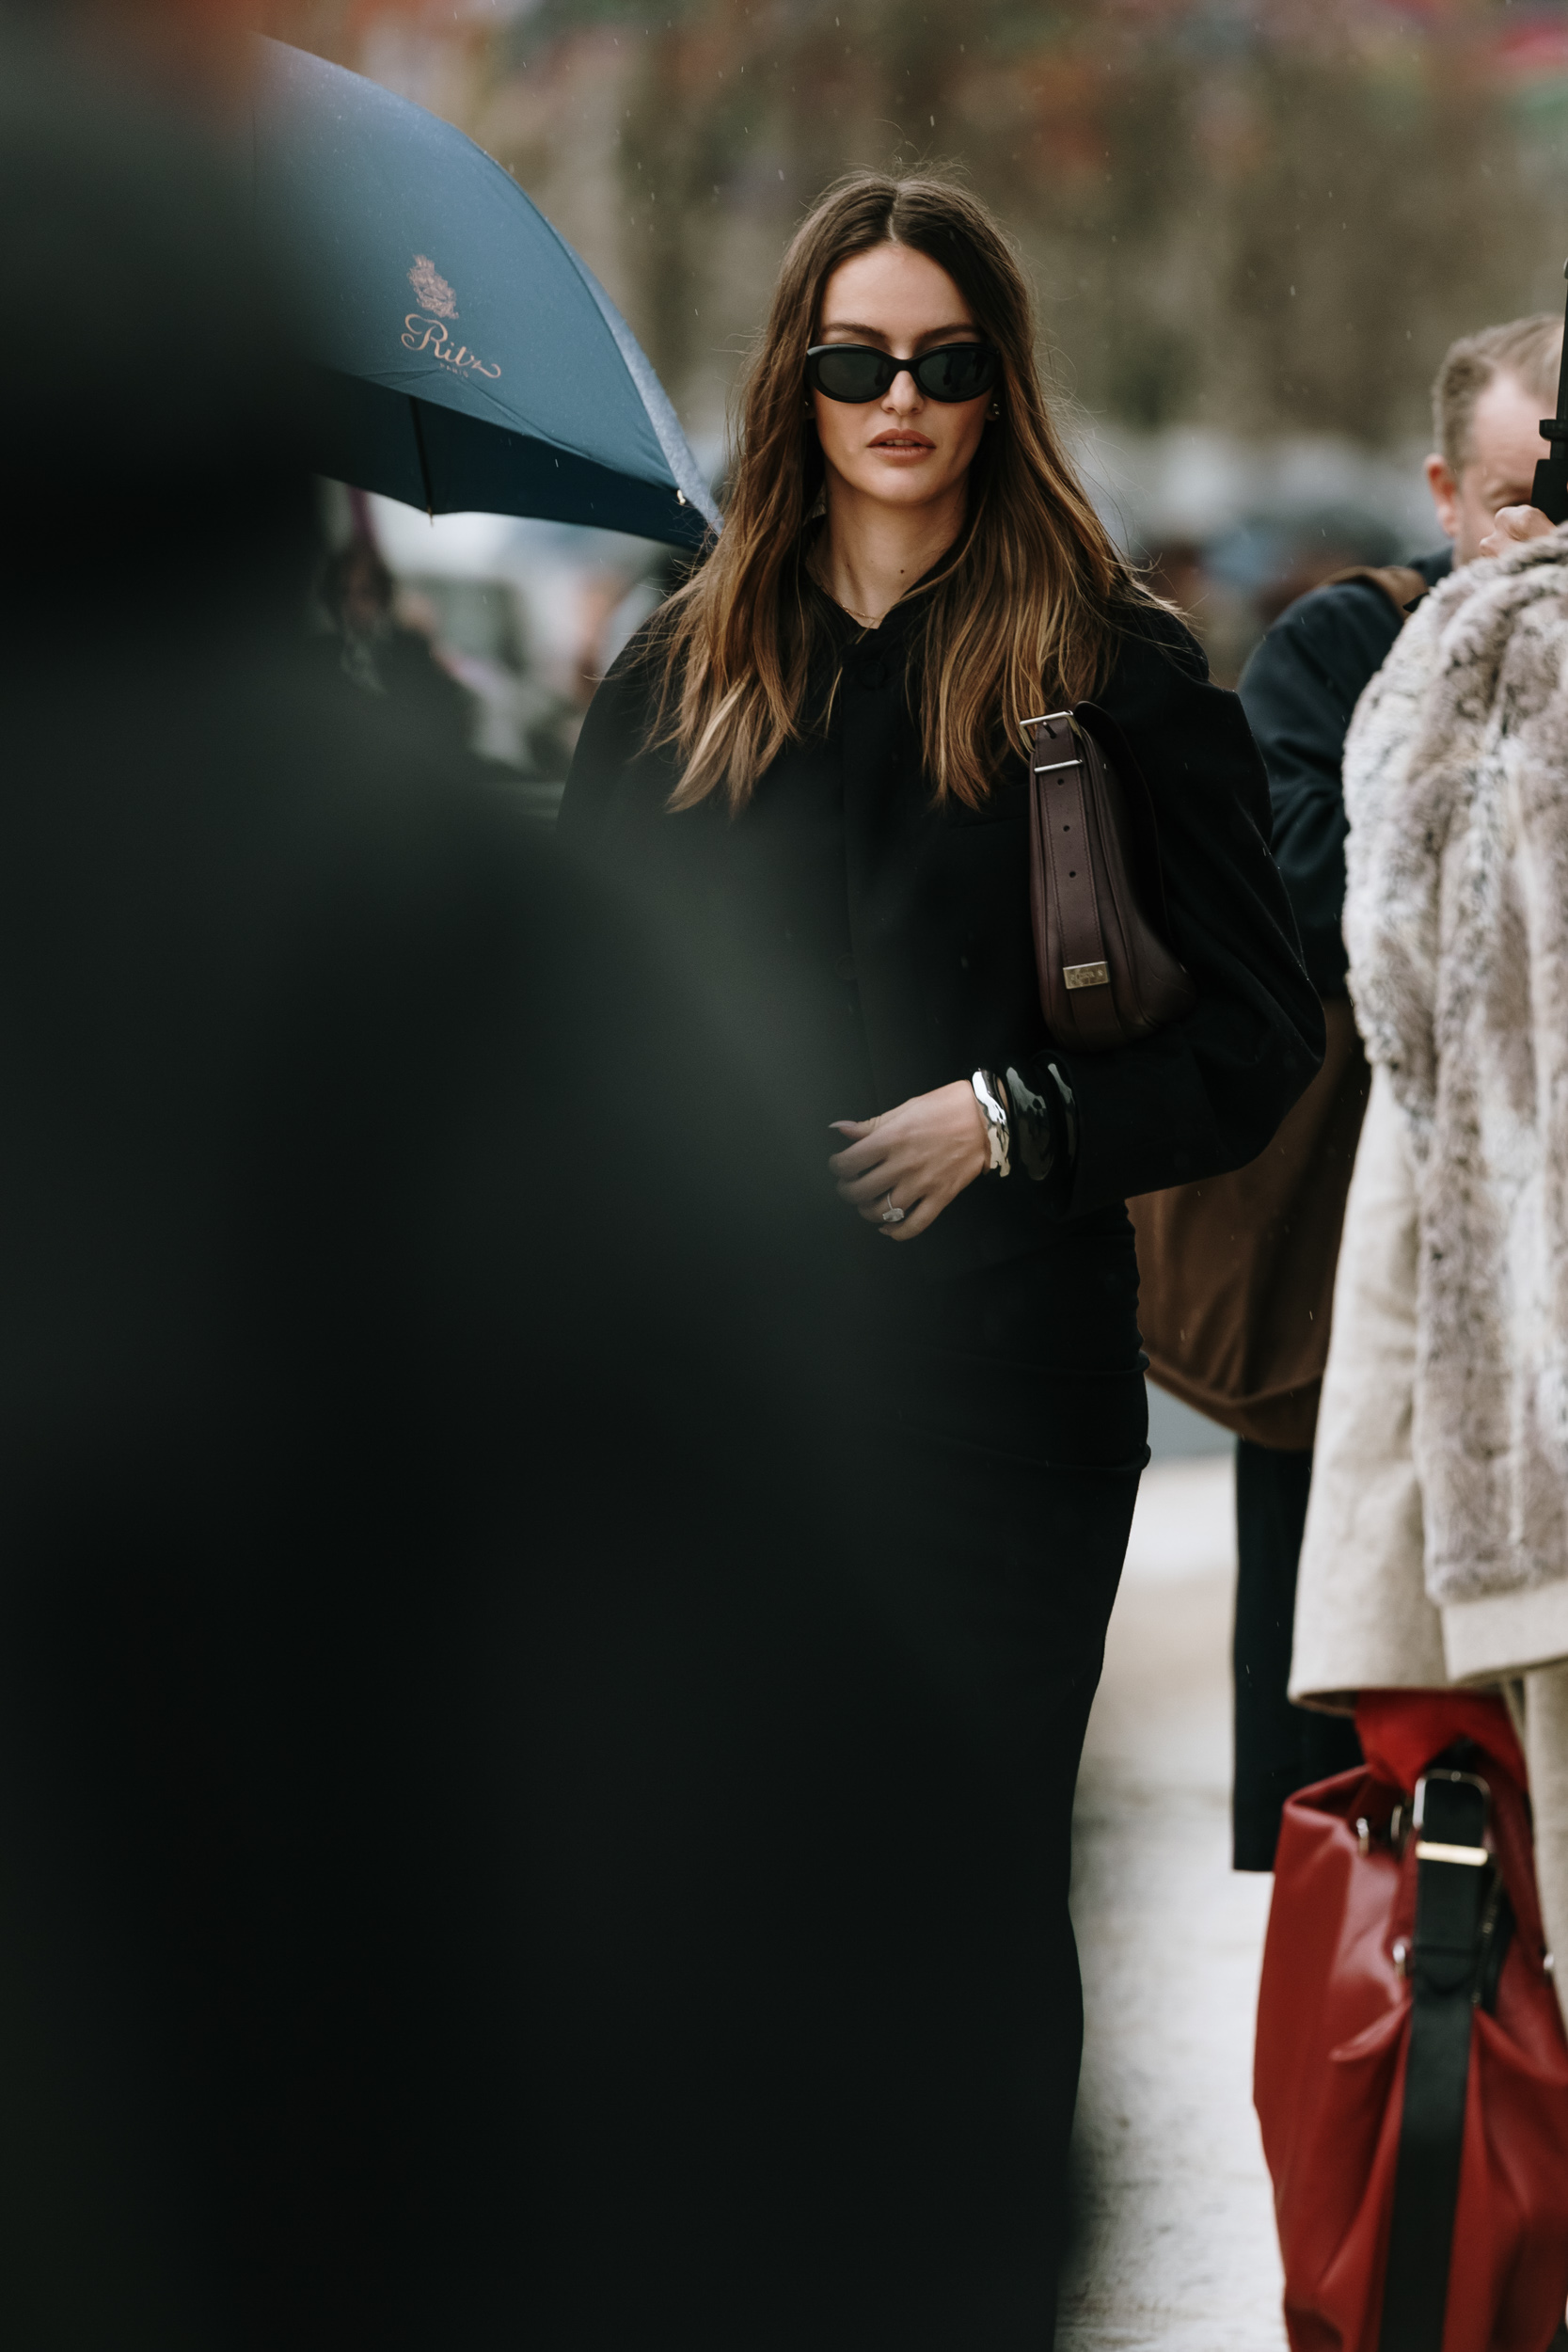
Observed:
{"x":1299,"y":690}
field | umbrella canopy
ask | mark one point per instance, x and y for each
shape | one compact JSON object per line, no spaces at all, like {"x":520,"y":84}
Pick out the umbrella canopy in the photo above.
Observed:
{"x":465,"y":357}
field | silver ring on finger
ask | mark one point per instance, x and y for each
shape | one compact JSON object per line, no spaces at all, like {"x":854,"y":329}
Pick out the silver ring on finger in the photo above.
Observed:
{"x":892,"y":1216}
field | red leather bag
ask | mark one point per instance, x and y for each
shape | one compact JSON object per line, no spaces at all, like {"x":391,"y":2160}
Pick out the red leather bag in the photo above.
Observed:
{"x":1345,"y":1972}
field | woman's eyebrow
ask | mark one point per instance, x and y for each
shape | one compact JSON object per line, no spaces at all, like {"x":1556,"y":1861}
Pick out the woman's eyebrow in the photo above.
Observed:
{"x":877,"y":335}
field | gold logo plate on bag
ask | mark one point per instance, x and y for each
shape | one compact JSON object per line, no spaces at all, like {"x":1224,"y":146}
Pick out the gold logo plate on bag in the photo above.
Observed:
{"x":1086,"y":975}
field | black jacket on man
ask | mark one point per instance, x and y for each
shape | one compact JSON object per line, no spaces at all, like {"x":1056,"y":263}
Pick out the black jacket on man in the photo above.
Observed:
{"x":1299,"y":691}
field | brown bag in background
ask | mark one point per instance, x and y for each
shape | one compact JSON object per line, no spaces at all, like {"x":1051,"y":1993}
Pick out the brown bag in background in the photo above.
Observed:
{"x":1236,"y":1273}
{"x":1106,"y":970}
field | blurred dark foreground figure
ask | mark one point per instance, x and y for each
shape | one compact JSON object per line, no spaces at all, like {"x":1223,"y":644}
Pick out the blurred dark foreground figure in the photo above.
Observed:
{"x":486,"y":1857}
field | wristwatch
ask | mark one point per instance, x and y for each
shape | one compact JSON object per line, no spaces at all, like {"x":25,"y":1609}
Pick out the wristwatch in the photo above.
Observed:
{"x":992,"y":1096}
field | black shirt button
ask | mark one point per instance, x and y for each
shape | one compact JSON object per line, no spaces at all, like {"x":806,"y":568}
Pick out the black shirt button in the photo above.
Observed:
{"x":873,"y":675}
{"x":845,"y":968}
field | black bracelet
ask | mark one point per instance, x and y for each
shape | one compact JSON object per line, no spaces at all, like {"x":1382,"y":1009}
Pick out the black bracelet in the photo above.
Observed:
{"x":1045,"y":1126}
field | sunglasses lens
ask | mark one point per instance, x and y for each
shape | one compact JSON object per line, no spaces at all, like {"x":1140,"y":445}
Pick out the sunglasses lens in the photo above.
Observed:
{"x":961,"y":372}
{"x":850,"y":373}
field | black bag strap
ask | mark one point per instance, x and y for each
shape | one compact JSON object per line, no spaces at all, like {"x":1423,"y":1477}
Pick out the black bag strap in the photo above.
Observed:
{"x":1456,"y":1912}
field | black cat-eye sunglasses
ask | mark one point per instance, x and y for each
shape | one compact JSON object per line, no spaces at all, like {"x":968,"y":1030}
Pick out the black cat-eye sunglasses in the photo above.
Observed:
{"x":856,"y":373}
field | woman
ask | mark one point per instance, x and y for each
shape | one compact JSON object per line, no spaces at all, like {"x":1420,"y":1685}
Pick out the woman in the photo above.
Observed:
{"x":811,"y":761}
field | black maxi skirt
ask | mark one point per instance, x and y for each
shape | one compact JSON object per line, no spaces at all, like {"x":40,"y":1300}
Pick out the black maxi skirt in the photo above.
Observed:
{"x":1010,"y":1477}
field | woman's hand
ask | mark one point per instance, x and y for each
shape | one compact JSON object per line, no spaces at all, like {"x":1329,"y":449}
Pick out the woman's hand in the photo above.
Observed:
{"x":923,"y":1154}
{"x":1512,"y":525}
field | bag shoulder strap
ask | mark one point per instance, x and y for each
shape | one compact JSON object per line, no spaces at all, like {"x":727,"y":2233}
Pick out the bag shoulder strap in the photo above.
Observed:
{"x":1401,"y":583}
{"x":1458,"y":1895}
{"x":1059,"y":820}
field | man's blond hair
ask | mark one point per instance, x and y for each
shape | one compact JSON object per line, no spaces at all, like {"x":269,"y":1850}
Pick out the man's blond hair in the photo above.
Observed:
{"x":1527,"y":349}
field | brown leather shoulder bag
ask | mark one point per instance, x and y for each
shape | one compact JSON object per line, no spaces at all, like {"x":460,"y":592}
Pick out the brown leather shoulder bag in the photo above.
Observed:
{"x":1107,"y":972}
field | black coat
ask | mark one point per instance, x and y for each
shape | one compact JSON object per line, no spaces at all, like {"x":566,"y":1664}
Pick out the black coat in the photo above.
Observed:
{"x":1299,"y":691}
{"x":894,"y":931}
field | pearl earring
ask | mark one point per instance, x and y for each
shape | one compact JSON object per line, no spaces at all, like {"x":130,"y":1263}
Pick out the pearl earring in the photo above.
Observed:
{"x":993,"y":410}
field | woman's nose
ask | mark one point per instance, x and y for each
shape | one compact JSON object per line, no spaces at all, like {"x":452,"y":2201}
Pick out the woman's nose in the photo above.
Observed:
{"x":903,"y":393}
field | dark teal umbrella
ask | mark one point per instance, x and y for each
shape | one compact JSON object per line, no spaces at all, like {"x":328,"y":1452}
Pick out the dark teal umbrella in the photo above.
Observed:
{"x":465,"y":357}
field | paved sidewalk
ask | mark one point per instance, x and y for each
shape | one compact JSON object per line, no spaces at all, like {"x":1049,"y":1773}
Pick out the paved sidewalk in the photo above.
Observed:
{"x":1176,"y":2250}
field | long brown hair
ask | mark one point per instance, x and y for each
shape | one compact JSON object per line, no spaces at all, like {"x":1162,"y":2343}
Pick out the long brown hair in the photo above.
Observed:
{"x":1026,"y":599}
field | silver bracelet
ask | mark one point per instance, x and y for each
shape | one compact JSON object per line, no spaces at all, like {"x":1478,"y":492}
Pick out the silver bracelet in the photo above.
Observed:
{"x":993,"y":1110}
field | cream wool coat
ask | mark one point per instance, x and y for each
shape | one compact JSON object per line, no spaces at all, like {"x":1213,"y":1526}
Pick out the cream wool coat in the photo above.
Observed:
{"x":1437,"y":1542}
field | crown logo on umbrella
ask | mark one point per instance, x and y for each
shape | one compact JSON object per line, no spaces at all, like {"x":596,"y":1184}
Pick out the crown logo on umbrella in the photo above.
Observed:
{"x":434,"y":293}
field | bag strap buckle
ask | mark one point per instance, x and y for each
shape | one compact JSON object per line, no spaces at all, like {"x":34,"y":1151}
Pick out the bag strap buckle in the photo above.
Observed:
{"x":1050,"y":720}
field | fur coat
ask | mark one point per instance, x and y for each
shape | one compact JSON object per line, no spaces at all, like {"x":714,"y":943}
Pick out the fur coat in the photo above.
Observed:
{"x":1456,"y":920}
{"x":1437,"y":1540}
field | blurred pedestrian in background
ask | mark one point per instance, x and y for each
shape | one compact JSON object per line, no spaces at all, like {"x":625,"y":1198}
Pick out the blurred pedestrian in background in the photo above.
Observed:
{"x":809,"y":762}
{"x":490,"y":1858}
{"x":381,"y":655}
{"x":1299,"y":691}
{"x":1434,"y":1543}
{"x":1432,"y":1594}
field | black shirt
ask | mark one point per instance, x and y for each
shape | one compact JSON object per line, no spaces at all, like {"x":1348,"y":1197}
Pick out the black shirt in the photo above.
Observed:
{"x":1299,"y":690}
{"x":874,"y":943}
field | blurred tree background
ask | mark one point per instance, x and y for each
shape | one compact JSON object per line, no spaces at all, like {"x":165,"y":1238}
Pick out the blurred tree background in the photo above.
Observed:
{"x":1254,"y":225}
{"x":1260,"y":214}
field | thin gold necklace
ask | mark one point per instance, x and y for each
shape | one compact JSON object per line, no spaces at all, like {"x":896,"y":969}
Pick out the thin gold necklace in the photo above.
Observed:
{"x":866,"y":620}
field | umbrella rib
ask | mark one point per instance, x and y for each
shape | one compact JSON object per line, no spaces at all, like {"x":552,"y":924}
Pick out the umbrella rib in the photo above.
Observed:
{"x":424,"y":462}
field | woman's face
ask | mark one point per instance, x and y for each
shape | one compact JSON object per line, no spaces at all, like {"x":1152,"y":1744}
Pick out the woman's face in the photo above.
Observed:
{"x":902,"y":448}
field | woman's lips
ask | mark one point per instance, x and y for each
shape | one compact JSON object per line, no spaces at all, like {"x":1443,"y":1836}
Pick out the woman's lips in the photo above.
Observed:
{"x":904,"y":444}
